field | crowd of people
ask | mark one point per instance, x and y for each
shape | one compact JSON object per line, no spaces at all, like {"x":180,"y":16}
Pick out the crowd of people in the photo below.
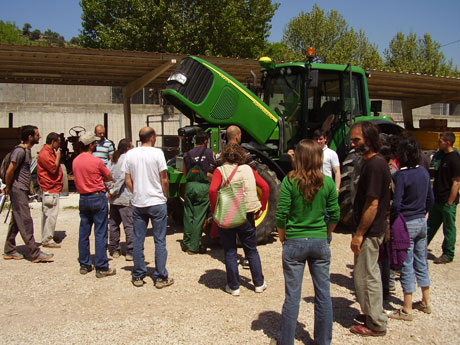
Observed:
{"x":391,"y":228}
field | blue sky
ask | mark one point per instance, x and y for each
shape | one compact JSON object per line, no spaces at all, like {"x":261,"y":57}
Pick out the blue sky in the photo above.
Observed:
{"x":380,"y":20}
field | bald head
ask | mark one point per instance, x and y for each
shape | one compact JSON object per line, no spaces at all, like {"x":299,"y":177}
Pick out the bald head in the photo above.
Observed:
{"x":147,"y":135}
{"x":99,"y":130}
{"x":233,"y":135}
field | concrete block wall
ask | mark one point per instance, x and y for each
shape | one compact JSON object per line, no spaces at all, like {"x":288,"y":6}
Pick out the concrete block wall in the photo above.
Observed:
{"x":24,"y":93}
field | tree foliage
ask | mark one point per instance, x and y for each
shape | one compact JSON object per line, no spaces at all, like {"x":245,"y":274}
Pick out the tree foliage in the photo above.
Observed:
{"x":237,"y":28}
{"x":10,"y":34}
{"x":332,"y":38}
{"x":418,"y":55}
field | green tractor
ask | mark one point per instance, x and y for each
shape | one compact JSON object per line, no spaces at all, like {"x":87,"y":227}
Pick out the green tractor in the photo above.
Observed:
{"x":298,"y":98}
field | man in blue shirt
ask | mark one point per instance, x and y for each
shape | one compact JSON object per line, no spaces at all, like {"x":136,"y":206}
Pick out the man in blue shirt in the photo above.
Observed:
{"x":105,"y":148}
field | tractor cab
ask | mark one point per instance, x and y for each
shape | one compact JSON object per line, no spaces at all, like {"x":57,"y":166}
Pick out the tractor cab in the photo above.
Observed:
{"x":309,"y":96}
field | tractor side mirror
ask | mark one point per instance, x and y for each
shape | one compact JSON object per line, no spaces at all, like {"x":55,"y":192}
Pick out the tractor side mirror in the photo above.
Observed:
{"x":376,"y":107}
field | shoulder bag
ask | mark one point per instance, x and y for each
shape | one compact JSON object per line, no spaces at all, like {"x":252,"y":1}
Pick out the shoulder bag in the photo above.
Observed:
{"x":230,"y":209}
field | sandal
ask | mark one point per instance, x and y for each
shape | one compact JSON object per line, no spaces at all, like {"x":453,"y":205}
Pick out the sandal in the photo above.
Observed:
{"x":366,"y":332}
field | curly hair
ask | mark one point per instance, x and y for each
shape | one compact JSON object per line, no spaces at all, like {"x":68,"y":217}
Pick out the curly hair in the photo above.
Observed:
{"x":307,"y":164}
{"x":234,"y":154}
{"x":408,"y":152}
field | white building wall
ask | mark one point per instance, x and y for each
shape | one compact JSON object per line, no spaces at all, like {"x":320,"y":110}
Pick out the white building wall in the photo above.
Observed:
{"x":55,"y":108}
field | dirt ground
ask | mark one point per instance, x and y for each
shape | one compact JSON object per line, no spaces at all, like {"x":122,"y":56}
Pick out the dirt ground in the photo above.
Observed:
{"x":51,"y":303}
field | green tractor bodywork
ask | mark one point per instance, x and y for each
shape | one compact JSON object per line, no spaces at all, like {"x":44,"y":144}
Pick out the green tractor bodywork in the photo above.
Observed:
{"x":298,"y":98}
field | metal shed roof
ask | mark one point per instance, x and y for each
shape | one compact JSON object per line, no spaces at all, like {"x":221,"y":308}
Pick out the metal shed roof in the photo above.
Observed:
{"x":133,"y":70}
{"x":80,"y":66}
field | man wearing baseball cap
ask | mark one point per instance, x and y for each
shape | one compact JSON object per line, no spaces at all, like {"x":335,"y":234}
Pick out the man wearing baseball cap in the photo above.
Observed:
{"x":90,"y":173}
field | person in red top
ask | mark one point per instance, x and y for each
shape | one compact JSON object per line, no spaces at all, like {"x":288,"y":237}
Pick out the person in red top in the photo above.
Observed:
{"x":234,"y":159}
{"x":50,"y":180}
{"x":90,"y":174}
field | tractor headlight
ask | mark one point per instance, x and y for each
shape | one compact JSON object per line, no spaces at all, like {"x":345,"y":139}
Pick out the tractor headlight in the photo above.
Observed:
{"x":179,"y":77}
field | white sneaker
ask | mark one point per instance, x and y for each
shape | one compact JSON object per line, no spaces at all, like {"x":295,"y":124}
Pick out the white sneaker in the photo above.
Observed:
{"x":232,"y":292}
{"x":262,"y":288}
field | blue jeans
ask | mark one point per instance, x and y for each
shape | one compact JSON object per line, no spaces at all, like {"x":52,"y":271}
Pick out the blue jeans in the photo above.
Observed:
{"x":296,"y":252}
{"x":141,"y":216}
{"x":93,"y":210}
{"x":247,"y":235}
{"x":415,"y":265}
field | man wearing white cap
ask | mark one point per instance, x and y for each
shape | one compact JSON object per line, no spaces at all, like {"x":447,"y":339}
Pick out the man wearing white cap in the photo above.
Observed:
{"x":90,"y":173}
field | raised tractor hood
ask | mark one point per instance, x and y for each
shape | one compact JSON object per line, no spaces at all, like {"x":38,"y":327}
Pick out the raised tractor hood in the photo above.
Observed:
{"x":205,"y":93}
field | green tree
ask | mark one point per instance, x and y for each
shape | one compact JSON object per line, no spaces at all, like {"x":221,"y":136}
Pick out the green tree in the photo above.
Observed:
{"x":237,"y":28}
{"x":334,"y":41}
{"x":10,"y":34}
{"x":418,"y":55}
{"x":26,"y":29}
{"x":278,"y":51}
{"x":35,"y":35}
{"x":75,"y":41}
{"x":53,"y":38}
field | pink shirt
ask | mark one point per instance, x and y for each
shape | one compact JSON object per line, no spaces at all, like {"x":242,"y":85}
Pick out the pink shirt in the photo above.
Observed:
{"x":89,"y":172}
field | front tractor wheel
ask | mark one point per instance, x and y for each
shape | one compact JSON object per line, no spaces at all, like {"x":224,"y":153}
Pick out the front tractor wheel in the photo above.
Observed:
{"x":265,"y":225}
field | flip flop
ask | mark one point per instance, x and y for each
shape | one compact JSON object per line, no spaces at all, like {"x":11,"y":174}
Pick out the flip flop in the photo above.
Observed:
{"x":366,"y":332}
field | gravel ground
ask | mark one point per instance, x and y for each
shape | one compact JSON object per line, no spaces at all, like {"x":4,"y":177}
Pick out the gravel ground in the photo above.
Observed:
{"x":51,"y":303}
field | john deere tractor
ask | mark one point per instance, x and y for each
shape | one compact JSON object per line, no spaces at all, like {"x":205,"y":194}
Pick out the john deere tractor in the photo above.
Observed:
{"x":298,"y":98}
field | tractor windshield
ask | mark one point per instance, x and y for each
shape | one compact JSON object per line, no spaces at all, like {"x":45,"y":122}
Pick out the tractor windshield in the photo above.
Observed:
{"x":283,"y":92}
{"x":331,"y":96}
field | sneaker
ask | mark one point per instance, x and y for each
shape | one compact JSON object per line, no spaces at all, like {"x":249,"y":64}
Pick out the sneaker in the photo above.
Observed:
{"x":183,"y":246}
{"x":262,"y":288}
{"x":232,"y":292}
{"x":442,"y":260}
{"x":116,"y":254}
{"x":401,"y":315}
{"x":43,"y":257}
{"x":13,"y":256}
{"x":160,"y":283}
{"x":422,"y":307}
{"x":51,"y":245}
{"x":106,"y":273}
{"x":244,"y":263}
{"x":85,"y":269}
{"x":129,"y":257}
{"x":137,"y":282}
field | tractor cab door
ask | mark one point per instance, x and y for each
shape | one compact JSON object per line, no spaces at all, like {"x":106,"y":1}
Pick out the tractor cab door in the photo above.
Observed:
{"x":324,"y":102}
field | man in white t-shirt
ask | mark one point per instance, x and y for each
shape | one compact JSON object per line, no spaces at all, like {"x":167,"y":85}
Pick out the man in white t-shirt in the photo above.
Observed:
{"x":330,"y":159}
{"x":146,"y":177}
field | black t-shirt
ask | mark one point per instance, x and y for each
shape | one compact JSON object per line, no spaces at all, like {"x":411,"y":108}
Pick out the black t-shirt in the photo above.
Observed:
{"x":193,"y":156}
{"x":448,"y":169}
{"x":374,"y":182}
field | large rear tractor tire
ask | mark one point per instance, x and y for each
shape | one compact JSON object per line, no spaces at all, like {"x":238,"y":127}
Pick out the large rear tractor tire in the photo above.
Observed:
{"x":265,"y":225}
{"x":350,"y":171}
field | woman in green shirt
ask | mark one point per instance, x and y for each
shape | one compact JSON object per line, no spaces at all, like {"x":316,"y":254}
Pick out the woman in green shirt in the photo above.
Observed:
{"x":305,"y":194}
